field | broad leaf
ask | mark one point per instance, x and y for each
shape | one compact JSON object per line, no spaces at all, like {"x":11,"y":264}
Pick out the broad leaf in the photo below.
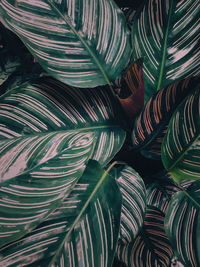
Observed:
{"x":182,"y":225}
{"x":82,"y":43}
{"x":165,"y":34}
{"x":36,"y":173}
{"x":83,"y":231}
{"x":181,"y":146}
{"x":48,"y":105}
{"x":151,"y":124}
{"x":133,"y":203}
{"x":151,"y":247}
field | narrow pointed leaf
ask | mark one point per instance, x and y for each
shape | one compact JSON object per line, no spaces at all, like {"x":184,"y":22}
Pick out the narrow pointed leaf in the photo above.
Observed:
{"x":48,"y":105}
{"x":166,"y":35}
{"x":182,"y":224}
{"x":133,"y":203}
{"x":82,"y":43}
{"x":83,"y":231}
{"x":151,"y":247}
{"x":36,"y":172}
{"x":181,"y":147}
{"x":151,"y":124}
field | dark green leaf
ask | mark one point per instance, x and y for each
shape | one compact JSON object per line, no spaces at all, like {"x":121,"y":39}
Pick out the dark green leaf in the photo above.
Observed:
{"x":43,"y":126}
{"x":36,"y":172}
{"x":182,"y":225}
{"x":151,"y":124}
{"x":181,"y":146}
{"x":82,"y":43}
{"x":166,"y":35}
{"x":133,"y":203}
{"x":159,"y":195}
{"x":83,"y":231}
{"x":48,"y":105}
{"x":151,"y":247}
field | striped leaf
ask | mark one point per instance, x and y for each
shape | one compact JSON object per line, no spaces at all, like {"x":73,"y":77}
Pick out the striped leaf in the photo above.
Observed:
{"x":82,"y":43}
{"x":182,"y":224}
{"x":166,"y":35}
{"x":36,"y":172}
{"x":159,"y":195}
{"x":151,"y":124}
{"x":48,"y":105}
{"x":181,"y":146}
{"x":83,"y":231}
{"x":151,"y":247}
{"x":133,"y":203}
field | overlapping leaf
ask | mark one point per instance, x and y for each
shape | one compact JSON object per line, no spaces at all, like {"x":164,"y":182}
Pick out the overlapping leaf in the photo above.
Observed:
{"x":159,"y":195}
{"x":133,"y":203}
{"x":82,"y":43}
{"x":35,"y":174}
{"x":181,"y":147}
{"x":182,"y":224}
{"x":83,"y":231}
{"x":151,"y":124}
{"x":151,"y":247}
{"x":48,"y":105}
{"x":132,"y":82}
{"x":166,"y":35}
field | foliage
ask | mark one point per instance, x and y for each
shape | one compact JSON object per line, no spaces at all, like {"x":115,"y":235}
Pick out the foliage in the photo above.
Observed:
{"x":99,"y":133}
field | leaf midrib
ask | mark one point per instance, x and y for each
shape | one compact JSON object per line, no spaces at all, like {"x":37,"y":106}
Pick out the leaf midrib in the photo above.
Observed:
{"x":104,"y":176}
{"x":191,"y":198}
{"x":39,"y":134}
{"x":66,"y":130}
{"x":67,"y":21}
{"x":164,"y":49}
{"x":179,"y":158}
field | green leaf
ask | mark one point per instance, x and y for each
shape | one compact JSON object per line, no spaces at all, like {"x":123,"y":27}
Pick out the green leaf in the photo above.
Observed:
{"x":181,"y":146}
{"x":165,"y":34}
{"x":159,"y":195}
{"x":133,"y":193}
{"x":151,"y":124}
{"x":151,"y":247}
{"x":182,"y":225}
{"x":82,"y":43}
{"x":36,"y":173}
{"x":47,"y":105}
{"x":83,"y":231}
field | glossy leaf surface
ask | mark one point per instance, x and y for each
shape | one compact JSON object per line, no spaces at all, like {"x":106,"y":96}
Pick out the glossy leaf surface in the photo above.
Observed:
{"x":181,"y":147}
{"x":36,"y":172}
{"x":182,"y":224}
{"x":151,"y":247}
{"x":48,"y":105}
{"x":166,"y":35}
{"x":82,"y":43}
{"x":133,"y":203}
{"x":151,"y":124}
{"x":83,"y":231}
